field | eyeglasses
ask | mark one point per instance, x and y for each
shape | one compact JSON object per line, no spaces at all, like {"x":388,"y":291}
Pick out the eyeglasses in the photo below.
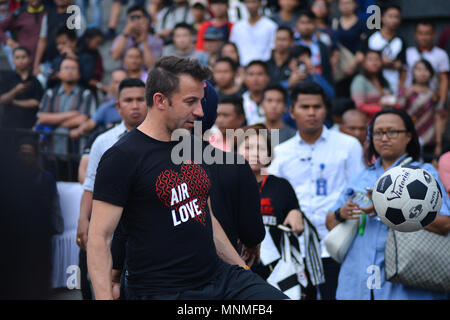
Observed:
{"x":135,"y":17}
{"x":391,"y":134}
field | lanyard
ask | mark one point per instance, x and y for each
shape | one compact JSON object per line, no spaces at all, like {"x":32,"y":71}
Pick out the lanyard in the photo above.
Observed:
{"x":263,"y":183}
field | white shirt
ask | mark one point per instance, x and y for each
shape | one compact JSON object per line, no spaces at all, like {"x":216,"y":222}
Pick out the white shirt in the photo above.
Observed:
{"x":253,"y":112}
{"x":437,"y":57}
{"x":254,"y":42}
{"x":300,"y":163}
{"x":102,"y":143}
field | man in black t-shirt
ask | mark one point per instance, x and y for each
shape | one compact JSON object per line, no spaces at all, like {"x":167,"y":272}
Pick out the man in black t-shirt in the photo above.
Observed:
{"x":174,"y":241}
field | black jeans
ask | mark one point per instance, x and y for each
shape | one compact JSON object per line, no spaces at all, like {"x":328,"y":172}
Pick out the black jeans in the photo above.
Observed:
{"x":328,"y":289}
{"x":85,"y":285}
{"x":227,"y":283}
{"x":331,"y":269}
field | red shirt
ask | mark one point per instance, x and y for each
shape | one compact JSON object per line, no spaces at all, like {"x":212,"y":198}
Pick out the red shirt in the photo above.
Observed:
{"x":26,"y":26}
{"x":200,"y":45}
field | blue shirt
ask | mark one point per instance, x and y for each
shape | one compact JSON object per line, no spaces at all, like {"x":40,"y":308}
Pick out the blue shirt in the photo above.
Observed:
{"x":106,"y":114}
{"x":367,"y":251}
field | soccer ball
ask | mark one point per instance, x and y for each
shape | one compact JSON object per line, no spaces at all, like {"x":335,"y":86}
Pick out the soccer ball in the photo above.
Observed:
{"x":407,"y":198}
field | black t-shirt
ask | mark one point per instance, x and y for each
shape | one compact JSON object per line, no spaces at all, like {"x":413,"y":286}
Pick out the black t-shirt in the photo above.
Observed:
{"x":278,"y":198}
{"x":235,"y":202}
{"x":14,"y":116}
{"x":170,"y":243}
{"x":235,"y":199}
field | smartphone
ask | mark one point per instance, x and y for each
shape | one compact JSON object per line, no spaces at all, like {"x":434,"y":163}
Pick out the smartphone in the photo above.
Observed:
{"x":284,"y":228}
{"x":301,"y":66}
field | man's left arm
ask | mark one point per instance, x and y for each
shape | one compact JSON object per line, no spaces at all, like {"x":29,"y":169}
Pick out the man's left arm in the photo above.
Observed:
{"x":223,"y":245}
{"x":27,"y":103}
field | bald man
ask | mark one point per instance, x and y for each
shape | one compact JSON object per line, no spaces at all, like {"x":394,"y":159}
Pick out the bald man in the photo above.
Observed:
{"x":354,"y":123}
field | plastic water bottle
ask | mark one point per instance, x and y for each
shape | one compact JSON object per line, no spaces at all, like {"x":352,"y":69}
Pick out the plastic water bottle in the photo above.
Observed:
{"x":360,"y":198}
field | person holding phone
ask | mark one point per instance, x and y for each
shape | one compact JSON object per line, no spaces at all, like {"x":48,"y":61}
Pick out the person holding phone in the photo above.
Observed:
{"x":301,"y":69}
{"x":137,"y":33}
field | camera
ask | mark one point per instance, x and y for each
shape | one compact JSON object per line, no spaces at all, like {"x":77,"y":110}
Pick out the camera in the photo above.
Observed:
{"x":301,"y":66}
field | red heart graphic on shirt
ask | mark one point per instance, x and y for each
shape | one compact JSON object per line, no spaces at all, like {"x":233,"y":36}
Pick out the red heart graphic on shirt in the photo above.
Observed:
{"x":198,"y":186}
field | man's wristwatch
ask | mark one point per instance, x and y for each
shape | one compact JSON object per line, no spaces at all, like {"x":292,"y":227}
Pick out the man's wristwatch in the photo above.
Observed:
{"x":337,"y":215}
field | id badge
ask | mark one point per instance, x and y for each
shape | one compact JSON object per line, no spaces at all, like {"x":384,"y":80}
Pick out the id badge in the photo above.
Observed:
{"x":321,"y":187}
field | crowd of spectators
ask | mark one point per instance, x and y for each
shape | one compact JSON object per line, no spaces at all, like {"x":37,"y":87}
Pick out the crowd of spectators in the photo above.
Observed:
{"x":259,"y":52}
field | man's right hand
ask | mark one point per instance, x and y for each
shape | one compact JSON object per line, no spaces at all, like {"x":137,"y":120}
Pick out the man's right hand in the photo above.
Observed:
{"x":21,"y":88}
{"x":82,"y":233}
{"x":130,"y":28}
{"x":116,"y":290}
{"x":350,"y":210}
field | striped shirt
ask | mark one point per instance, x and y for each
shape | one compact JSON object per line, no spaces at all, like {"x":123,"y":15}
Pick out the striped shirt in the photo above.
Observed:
{"x":63,"y":102}
{"x":422,"y":108}
{"x":58,"y":101}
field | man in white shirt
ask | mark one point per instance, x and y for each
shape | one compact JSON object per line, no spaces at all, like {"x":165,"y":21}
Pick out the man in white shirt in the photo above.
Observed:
{"x":255,"y":36}
{"x":318,"y":163}
{"x":256,"y":78}
{"x":425,"y":49}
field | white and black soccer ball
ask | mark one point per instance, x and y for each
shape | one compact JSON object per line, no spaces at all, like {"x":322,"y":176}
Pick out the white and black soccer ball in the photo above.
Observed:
{"x":407,"y":198}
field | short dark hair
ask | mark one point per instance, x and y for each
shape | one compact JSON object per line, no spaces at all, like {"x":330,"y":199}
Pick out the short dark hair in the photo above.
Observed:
{"x":340,"y":105}
{"x":307,"y":87}
{"x":261,"y":63}
{"x":385,"y":8}
{"x":287,"y":29}
{"x":130,"y":83}
{"x":228,"y":60}
{"x":307,"y":13}
{"x":425,"y":22}
{"x":164,"y":76}
{"x":70,"y":33}
{"x":184,"y":25}
{"x":138,"y":7}
{"x":413,"y":148}
{"x":275,"y":87}
{"x":236,"y":101}
{"x":298,"y":51}
{"x":22,"y":48}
